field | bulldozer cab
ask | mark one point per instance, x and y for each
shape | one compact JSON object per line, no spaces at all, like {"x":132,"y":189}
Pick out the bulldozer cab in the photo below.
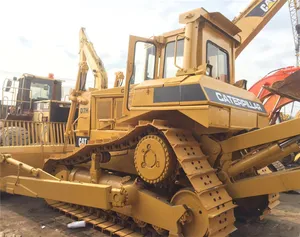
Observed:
{"x":205,"y":46}
{"x":187,"y":72}
{"x":19,"y":95}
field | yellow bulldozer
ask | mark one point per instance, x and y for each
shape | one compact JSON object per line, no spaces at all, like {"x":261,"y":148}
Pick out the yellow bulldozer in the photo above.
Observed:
{"x":178,"y":150}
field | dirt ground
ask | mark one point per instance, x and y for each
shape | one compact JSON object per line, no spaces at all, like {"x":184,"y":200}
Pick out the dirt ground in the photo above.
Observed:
{"x":24,"y":216}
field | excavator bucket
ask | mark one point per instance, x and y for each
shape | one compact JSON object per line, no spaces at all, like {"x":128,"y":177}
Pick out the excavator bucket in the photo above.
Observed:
{"x":289,"y":87}
{"x":278,"y":89}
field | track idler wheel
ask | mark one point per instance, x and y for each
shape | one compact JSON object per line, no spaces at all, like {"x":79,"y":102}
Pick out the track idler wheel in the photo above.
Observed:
{"x":196,"y":222}
{"x":153,"y":159}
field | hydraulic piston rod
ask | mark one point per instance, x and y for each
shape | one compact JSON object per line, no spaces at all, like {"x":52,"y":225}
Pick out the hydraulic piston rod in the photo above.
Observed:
{"x":8,"y":159}
{"x":266,"y":156}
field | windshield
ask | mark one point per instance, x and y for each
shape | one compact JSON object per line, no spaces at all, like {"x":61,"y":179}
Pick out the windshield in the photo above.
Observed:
{"x":40,"y":91}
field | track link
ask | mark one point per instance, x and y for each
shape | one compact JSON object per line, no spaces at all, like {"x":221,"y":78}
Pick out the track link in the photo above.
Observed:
{"x":273,"y":199}
{"x":92,"y":218}
{"x":210,"y":190}
{"x":217,"y":203}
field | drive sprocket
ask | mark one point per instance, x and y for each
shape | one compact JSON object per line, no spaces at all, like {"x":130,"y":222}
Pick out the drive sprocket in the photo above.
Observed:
{"x":153,"y":160}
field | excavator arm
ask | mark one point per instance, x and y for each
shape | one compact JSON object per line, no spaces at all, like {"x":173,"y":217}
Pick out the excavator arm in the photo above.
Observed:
{"x":88,"y":55}
{"x":254,"y":18}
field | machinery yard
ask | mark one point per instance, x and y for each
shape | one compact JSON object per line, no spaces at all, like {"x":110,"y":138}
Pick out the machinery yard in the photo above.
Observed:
{"x":25,"y":217}
{"x":176,"y":146}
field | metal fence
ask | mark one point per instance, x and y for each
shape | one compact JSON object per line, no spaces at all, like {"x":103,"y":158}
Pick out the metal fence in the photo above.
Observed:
{"x":26,"y":133}
{"x":10,"y":97}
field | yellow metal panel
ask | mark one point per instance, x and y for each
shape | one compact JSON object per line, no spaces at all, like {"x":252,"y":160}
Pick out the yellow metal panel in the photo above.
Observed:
{"x":104,"y":135}
{"x":209,"y":116}
{"x":218,"y":117}
{"x":68,"y":191}
{"x":151,"y":83}
{"x":248,"y":121}
{"x":174,"y":81}
{"x":83,"y":125}
{"x":142,"y":97}
{"x":118,"y":108}
{"x":262,"y":121}
{"x":104,"y":108}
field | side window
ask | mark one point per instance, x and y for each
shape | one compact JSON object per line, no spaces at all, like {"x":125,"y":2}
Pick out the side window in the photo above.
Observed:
{"x":218,"y":58}
{"x":143,"y":66}
{"x":144,"y":63}
{"x":169,"y":67}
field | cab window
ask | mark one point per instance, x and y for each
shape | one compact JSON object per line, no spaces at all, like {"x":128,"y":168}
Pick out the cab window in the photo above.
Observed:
{"x":143,"y":66}
{"x":144,"y":63}
{"x":169,"y":68}
{"x":218,"y":59}
{"x":40,"y":91}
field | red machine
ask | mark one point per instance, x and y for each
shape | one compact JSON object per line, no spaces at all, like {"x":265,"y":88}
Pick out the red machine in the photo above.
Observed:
{"x":278,"y":89}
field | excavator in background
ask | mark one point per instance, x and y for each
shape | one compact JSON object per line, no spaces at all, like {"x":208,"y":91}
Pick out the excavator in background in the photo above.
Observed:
{"x":88,"y":56}
{"x":254,"y":18}
{"x":178,"y":150}
{"x":276,"y":90}
{"x":279,"y":87}
{"x":38,"y":100}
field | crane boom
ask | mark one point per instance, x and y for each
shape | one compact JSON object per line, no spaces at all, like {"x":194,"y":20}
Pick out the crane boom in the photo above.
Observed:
{"x":88,"y":54}
{"x":294,"y":8}
{"x":254,"y":18}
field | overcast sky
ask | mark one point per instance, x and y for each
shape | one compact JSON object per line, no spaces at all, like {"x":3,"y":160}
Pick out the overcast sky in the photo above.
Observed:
{"x":41,"y":37}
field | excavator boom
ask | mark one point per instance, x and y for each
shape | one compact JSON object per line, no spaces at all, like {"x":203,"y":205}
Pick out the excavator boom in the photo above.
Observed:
{"x":254,"y":18}
{"x":88,"y":54}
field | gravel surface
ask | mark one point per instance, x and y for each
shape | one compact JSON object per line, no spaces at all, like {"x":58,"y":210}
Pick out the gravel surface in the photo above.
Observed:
{"x":24,"y":216}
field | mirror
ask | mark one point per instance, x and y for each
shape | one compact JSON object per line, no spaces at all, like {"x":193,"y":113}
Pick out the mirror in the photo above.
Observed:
{"x":241,"y":84}
{"x":8,"y":85}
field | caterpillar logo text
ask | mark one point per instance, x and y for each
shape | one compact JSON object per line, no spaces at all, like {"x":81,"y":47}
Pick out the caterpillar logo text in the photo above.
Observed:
{"x":262,"y":9}
{"x":231,"y":100}
{"x":81,"y":141}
